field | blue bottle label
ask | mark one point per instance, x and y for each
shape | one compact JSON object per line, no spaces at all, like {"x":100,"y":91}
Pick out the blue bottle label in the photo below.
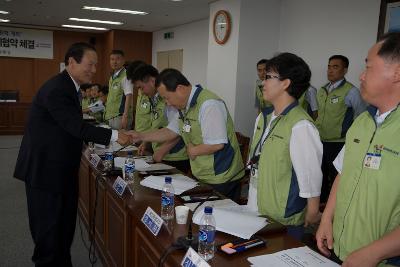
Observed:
{"x":129,"y":168}
{"x":167,"y":200}
{"x":108,"y":156}
{"x":206,"y":236}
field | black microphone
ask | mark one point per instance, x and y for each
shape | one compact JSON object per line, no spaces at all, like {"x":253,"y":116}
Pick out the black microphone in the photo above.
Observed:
{"x":189,"y":240}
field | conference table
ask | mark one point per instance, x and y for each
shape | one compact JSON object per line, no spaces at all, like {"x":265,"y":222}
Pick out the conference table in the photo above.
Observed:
{"x":121,"y":239}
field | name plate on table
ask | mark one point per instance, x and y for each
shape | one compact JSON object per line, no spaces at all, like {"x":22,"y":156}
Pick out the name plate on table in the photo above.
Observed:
{"x":95,"y":160}
{"x":192,"y":259}
{"x":152,"y":221}
{"x":119,"y":186}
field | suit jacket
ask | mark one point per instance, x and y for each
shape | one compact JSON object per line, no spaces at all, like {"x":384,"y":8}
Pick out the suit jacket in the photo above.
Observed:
{"x":50,"y":152}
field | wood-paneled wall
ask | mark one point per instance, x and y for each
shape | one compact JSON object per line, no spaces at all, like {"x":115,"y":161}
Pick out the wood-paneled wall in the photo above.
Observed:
{"x":27,"y":75}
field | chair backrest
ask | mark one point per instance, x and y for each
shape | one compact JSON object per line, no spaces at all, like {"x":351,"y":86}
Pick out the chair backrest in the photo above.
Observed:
{"x":244,"y":143}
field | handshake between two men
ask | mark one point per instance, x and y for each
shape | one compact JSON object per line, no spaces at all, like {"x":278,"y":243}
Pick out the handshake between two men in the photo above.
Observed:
{"x":128,"y":137}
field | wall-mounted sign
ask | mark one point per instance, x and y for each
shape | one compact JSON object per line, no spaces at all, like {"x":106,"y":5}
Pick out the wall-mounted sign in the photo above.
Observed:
{"x":18,"y":42}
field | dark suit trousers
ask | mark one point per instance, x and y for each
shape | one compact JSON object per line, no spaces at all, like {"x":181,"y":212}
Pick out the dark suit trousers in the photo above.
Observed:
{"x":52,"y":219}
{"x":331,"y":150}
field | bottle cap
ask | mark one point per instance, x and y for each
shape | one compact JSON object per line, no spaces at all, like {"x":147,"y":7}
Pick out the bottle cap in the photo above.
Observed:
{"x":208,"y":210}
{"x":168,"y":179}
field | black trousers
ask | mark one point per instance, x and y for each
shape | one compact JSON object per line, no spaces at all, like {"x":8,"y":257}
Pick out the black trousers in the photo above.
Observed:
{"x":230,"y":189}
{"x":182,"y":165}
{"x":331,"y":150}
{"x":52,"y":219}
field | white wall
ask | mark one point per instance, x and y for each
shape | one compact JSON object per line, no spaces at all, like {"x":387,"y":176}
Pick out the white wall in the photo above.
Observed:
{"x":258,"y":38}
{"x":317,"y":29}
{"x":223,"y":59}
{"x":313,"y":29}
{"x":193,"y":39}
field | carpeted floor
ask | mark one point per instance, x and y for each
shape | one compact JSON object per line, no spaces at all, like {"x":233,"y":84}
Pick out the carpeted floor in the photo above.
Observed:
{"x":16,"y":246}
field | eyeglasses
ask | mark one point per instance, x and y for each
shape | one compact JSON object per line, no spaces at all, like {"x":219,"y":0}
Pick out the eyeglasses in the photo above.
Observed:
{"x":267,"y":77}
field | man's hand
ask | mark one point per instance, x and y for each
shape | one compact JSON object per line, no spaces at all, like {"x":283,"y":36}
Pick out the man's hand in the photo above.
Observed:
{"x":123,"y":138}
{"x":361,"y":257}
{"x":124,"y":121}
{"x":135,"y":136}
{"x":312,"y":218}
{"x":191,"y":149}
{"x":142,"y":148}
{"x":158,"y":156}
{"x":324,"y":237}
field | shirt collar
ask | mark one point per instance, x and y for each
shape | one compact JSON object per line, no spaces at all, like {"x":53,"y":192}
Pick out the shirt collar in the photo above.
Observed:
{"x":192,"y":92}
{"x":335,"y":85}
{"x":380,"y":118}
{"x":115,"y":74}
{"x":77,"y":86}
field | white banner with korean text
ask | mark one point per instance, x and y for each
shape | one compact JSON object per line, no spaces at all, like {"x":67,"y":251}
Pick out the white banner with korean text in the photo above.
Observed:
{"x":19,"y":42}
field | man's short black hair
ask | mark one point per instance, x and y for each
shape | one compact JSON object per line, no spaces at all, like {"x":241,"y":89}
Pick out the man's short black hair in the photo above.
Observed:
{"x":85,"y":86}
{"x":76,"y":51}
{"x":143,"y":73}
{"x":390,"y":49}
{"x":132,"y":67}
{"x":292,"y":67}
{"x":104,"y":90}
{"x":262,"y":61}
{"x":344,"y":59}
{"x":171,"y":78}
{"x":117,"y":52}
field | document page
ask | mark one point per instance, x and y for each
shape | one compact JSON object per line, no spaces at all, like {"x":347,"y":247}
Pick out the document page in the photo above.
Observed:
{"x":295,"y":257}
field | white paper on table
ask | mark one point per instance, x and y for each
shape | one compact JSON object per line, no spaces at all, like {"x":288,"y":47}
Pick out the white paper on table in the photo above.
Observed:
{"x":140,"y":164}
{"x":235,"y":222}
{"x":119,"y":162}
{"x":295,"y":257}
{"x":212,"y":203}
{"x":87,"y":117}
{"x":155,"y":167}
{"x":181,"y":183}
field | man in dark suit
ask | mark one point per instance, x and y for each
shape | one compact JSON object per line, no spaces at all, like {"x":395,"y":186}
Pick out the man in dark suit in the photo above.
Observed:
{"x":49,"y":157}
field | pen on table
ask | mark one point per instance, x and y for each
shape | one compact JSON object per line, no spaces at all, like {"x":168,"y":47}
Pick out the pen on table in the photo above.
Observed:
{"x":242,"y":248}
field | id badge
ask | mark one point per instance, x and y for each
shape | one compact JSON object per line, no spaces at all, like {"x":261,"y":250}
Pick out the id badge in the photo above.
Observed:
{"x":186,"y":128}
{"x":334,"y":100}
{"x":144,"y":105}
{"x":372,"y":161}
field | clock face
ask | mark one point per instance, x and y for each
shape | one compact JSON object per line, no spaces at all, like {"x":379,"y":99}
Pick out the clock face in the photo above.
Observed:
{"x":222,"y":26}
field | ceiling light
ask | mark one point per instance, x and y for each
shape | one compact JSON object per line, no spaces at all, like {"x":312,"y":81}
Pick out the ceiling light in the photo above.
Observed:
{"x":97,"y":21}
{"x":84,"y":27}
{"x":4,"y":12}
{"x":4,"y":20}
{"x":133,"y":12}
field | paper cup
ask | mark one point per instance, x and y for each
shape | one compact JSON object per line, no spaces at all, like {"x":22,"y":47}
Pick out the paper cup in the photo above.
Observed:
{"x":181,"y":213}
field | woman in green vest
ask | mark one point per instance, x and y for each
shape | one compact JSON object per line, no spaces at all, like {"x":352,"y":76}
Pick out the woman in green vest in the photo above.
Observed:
{"x":286,"y":149}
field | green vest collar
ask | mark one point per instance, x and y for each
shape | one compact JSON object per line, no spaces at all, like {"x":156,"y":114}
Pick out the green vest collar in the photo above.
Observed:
{"x":195,"y":95}
{"x":119,"y":74}
{"x":340,"y":85}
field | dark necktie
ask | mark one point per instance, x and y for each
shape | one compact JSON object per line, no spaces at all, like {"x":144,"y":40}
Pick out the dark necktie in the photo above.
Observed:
{"x":80,"y":97}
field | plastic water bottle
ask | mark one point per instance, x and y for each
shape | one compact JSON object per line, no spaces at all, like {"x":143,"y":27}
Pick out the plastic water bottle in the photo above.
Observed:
{"x":207,"y":235}
{"x":129,"y":167}
{"x":167,"y":200}
{"x":109,"y":158}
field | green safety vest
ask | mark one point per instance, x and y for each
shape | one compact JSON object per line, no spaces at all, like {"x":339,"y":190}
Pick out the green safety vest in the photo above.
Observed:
{"x":116,"y":98}
{"x":143,"y":114}
{"x":85,"y":103}
{"x":159,"y":120}
{"x":368,"y":200}
{"x":259,"y":95}
{"x":334,"y":117}
{"x":225,"y":165}
{"x":278,"y":189}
